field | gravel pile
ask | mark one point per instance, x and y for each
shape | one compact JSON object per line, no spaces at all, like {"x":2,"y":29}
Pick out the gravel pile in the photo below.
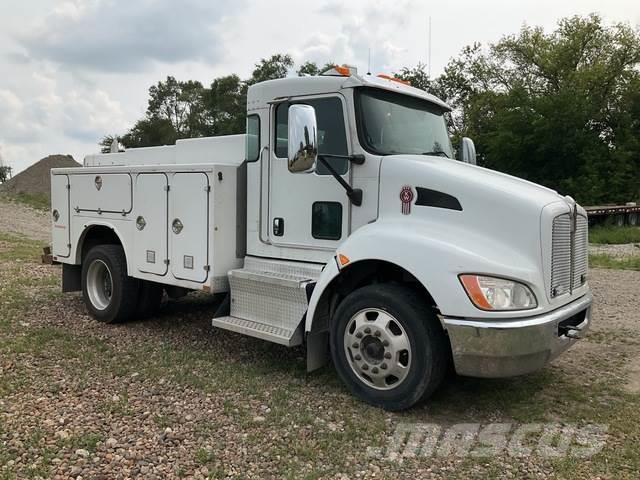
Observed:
{"x":36,"y":180}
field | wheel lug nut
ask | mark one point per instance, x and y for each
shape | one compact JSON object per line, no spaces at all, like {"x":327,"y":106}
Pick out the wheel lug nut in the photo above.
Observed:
{"x":377,"y":333}
{"x":367,"y":330}
{"x":383,"y":366}
{"x":365,"y":367}
{"x":387,"y":355}
{"x":374,"y":370}
{"x":385,"y":343}
{"x":358,"y":357}
{"x":355,"y":345}
{"x":359,"y":335}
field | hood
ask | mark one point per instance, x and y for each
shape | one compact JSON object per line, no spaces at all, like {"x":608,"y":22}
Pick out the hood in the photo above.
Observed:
{"x":455,"y":198}
{"x":468,"y":182}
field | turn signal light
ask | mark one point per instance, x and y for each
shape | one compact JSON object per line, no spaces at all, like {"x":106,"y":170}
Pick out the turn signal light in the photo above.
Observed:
{"x":493,"y":293}
{"x":343,"y":259}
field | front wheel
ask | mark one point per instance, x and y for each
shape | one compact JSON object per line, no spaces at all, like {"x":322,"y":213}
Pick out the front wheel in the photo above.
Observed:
{"x":109,"y":293}
{"x":387,"y":346}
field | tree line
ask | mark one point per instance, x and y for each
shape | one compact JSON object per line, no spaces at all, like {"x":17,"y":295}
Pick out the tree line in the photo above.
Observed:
{"x":560,"y":108}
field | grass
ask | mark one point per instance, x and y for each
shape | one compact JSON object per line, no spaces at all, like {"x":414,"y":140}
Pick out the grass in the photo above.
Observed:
{"x":602,"y":260}
{"x":614,"y":235}
{"x":39,"y":201}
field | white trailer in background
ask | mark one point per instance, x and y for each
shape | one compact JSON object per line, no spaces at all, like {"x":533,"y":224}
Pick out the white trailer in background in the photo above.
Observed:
{"x":340,"y":221}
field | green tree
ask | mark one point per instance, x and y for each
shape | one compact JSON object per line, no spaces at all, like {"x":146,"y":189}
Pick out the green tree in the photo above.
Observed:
{"x":181,"y":104}
{"x":557,"y":108}
{"x":309,"y":68}
{"x":5,"y":173}
{"x":276,"y":66}
{"x":225,"y":104}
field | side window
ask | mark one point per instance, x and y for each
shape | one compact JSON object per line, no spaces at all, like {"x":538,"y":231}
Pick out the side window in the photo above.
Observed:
{"x":326,"y":220}
{"x":253,"y":138}
{"x":332,"y":138}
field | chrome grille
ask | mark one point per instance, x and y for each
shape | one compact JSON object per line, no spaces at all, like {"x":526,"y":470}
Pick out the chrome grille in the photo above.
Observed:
{"x":568,"y":254}
{"x":580,"y":252}
{"x":561,"y":255}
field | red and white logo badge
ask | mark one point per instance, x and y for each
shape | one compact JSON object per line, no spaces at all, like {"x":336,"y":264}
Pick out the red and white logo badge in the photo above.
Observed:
{"x":406,"y":197}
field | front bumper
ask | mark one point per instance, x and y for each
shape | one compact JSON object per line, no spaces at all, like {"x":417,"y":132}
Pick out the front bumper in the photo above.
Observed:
{"x":505,"y":348}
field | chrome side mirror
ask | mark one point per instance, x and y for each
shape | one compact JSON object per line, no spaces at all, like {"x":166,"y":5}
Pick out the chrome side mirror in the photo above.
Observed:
{"x":467,"y":151}
{"x":303,"y":139}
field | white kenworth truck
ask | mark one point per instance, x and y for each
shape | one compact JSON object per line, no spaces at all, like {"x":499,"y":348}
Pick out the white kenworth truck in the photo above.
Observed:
{"x":340,"y":221}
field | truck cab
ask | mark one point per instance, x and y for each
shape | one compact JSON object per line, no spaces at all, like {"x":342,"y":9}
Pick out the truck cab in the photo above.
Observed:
{"x":344,"y":223}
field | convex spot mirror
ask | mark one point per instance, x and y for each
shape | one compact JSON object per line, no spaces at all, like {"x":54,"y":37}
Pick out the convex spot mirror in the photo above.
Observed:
{"x":303,"y":139}
{"x":467,"y":151}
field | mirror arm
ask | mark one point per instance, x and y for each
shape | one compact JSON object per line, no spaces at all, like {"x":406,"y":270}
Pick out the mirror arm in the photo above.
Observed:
{"x":357,"y":158}
{"x":354,"y":194}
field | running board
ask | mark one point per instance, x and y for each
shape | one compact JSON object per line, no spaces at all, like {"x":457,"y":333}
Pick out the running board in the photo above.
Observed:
{"x":283,"y":336}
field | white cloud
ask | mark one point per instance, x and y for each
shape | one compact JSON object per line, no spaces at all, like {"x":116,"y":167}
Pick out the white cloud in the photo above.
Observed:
{"x":372,"y":26}
{"x":110,"y":36}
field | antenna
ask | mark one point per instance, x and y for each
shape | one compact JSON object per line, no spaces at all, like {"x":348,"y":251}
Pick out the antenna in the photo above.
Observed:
{"x":369,"y":65}
{"x":429,"y":50}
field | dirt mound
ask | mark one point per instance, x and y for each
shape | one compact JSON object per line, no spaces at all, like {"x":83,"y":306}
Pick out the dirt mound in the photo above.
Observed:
{"x":36,"y":180}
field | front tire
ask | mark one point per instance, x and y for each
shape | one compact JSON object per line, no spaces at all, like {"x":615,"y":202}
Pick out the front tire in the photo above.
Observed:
{"x":108,"y":292}
{"x":388,"y":347}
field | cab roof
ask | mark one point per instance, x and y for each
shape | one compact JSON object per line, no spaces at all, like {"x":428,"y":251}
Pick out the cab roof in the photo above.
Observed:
{"x":261,"y":94}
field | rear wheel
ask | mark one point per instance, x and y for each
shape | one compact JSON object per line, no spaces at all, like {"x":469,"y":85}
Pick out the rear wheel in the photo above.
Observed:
{"x":387,"y":346}
{"x":109,"y":293}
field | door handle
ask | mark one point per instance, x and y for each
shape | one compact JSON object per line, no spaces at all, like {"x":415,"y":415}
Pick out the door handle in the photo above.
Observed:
{"x":278,"y":226}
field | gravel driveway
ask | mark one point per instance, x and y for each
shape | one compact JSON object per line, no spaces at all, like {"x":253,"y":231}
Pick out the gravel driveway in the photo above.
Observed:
{"x":172,"y":397}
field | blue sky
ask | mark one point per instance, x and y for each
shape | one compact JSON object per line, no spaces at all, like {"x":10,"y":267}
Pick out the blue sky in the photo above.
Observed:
{"x":72,"y":71}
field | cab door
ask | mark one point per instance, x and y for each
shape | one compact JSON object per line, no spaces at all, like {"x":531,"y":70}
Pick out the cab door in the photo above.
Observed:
{"x":309,"y":210}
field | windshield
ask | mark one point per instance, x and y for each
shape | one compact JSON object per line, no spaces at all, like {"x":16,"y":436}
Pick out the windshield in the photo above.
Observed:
{"x":390,"y":123}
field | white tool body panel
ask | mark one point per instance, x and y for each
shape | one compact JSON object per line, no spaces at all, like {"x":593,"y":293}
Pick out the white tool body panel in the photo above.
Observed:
{"x":150,"y":252}
{"x":102,"y":193}
{"x":189,"y":226}
{"x":60,"y":232}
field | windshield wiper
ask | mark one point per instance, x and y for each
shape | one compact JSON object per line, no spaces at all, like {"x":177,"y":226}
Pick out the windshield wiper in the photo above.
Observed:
{"x":438,"y":153}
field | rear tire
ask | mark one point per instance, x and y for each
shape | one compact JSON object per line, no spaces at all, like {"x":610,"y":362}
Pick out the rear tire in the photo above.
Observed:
{"x":149,"y":299}
{"x":388,"y":347}
{"x":109,"y":293}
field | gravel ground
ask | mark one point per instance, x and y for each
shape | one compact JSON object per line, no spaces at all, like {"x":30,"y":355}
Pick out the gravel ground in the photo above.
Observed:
{"x":172,"y":397}
{"x":619,"y":251}
{"x":23,"y":220}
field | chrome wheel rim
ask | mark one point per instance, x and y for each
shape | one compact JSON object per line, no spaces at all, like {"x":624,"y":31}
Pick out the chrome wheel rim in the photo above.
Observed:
{"x":99,"y":284}
{"x":377,"y":348}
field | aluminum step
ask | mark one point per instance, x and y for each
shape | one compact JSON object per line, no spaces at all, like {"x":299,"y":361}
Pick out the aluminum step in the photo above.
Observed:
{"x":268,"y":299}
{"x":251,"y":328}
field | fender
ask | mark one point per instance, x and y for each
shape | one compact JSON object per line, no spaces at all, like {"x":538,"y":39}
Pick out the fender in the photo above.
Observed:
{"x":87,"y":225}
{"x":435,"y":253}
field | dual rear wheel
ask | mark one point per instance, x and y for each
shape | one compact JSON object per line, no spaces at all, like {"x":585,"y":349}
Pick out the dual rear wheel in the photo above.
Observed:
{"x":110,"y":294}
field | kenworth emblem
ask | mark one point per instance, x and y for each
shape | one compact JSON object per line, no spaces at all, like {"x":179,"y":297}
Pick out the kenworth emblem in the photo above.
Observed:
{"x":406,"y":197}
{"x":98,"y":182}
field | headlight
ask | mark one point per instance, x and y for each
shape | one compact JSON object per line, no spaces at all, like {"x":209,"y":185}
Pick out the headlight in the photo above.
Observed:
{"x":491,"y":293}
